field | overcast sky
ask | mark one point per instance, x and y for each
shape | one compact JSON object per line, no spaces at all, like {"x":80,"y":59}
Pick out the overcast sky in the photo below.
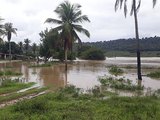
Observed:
{"x":28,"y":17}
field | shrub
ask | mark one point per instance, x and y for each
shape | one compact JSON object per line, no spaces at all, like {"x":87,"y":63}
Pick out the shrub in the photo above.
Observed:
{"x":93,"y":54}
{"x":71,"y":56}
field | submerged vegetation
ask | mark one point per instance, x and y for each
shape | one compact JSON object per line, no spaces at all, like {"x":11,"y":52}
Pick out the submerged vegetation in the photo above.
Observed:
{"x":120,"y":84}
{"x":41,"y":65}
{"x":154,"y":74}
{"x":115,"y":70}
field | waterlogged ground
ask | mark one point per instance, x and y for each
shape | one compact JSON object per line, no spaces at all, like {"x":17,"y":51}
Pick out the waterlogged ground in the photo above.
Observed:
{"x":84,"y":74}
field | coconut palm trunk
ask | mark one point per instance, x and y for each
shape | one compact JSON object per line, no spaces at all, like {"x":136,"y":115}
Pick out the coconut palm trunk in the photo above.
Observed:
{"x":10,"y":55}
{"x":66,"y":51}
{"x":138,"y":42}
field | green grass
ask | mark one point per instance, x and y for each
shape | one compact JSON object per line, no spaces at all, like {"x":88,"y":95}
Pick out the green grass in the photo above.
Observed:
{"x":64,"y":105}
{"x":115,"y":70}
{"x":154,"y":74}
{"x":8,"y":86}
{"x":9,"y":73}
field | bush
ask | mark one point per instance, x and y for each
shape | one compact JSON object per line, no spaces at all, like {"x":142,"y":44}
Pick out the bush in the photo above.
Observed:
{"x":93,"y":54}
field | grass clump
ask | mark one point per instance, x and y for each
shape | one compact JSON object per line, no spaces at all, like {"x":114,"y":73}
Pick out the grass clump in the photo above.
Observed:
{"x":115,"y":70}
{"x":154,"y":74}
{"x":9,"y":73}
{"x":120,"y":84}
{"x":8,"y":85}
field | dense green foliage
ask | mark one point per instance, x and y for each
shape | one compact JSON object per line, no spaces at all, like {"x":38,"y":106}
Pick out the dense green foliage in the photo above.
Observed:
{"x":15,"y":48}
{"x":92,"y":54}
{"x":67,"y":105}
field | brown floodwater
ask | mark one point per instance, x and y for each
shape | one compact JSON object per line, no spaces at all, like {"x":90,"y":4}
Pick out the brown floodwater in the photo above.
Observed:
{"x":84,"y":73}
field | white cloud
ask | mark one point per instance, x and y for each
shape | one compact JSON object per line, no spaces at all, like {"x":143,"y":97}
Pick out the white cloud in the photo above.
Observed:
{"x":28,"y":17}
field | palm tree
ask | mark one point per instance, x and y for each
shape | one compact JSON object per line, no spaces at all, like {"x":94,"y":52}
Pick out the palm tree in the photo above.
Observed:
{"x":9,"y":30}
{"x":134,"y":9}
{"x":26,"y":46}
{"x":34,"y":48}
{"x":69,"y":17}
{"x":21,"y":46}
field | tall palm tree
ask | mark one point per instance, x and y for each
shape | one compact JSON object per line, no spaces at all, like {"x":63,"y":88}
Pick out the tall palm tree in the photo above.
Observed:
{"x":69,"y":17}
{"x":21,"y":46}
{"x":26,"y":46}
{"x":134,"y":10}
{"x":34,"y":48}
{"x":9,"y":30}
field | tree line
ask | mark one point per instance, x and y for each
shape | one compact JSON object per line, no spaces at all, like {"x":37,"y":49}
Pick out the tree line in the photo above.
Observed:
{"x":146,"y":44}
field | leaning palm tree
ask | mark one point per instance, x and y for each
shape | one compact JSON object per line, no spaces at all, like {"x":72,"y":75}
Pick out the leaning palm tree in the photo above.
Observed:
{"x":134,"y":10}
{"x":9,"y":30}
{"x":69,"y":17}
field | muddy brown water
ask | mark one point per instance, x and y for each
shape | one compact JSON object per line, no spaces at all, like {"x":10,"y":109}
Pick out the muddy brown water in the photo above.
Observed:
{"x":84,"y":74}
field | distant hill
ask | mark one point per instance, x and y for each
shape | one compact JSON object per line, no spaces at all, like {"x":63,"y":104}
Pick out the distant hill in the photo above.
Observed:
{"x":146,"y":44}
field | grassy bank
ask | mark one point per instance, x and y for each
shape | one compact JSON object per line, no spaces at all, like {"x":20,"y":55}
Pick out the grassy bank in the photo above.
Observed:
{"x":69,"y":105}
{"x":8,"y":86}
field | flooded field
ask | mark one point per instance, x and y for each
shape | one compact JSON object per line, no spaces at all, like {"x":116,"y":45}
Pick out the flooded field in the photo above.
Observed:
{"x":84,"y":74}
